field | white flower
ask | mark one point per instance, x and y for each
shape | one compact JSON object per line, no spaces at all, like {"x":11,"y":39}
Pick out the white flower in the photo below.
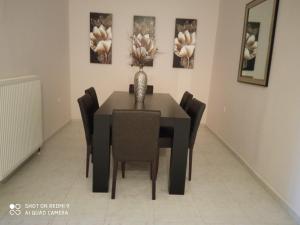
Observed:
{"x":184,"y":47}
{"x":250,"y":47}
{"x":101,"y":42}
{"x":143,"y":49}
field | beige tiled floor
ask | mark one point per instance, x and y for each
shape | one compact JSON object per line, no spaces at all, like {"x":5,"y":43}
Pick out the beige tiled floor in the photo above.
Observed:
{"x":222,"y":191}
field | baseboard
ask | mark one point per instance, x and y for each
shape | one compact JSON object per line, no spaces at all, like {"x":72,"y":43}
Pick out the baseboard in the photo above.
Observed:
{"x":258,"y":177}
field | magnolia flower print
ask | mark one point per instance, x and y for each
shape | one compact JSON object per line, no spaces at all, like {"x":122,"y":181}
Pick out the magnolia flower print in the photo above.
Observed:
{"x":184,"y":47}
{"x":184,"y":43}
{"x":250,"y":47}
{"x":101,"y":40}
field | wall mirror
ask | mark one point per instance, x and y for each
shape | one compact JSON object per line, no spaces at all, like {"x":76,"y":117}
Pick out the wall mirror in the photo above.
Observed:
{"x":257,"y":42}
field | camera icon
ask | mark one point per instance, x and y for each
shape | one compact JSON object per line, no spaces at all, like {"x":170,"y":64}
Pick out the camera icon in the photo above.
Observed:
{"x":15,"y":209}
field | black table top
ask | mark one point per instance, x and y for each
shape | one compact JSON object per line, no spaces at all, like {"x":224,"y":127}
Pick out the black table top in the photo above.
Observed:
{"x":168,"y":107}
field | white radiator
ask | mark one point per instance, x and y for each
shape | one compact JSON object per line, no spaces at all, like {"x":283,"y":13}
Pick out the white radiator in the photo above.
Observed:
{"x":20,"y":121}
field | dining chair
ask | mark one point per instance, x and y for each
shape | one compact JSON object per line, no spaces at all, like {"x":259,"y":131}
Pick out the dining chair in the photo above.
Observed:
{"x":166,"y":133}
{"x":149,"y":90}
{"x":135,"y":136}
{"x":186,"y":100}
{"x":91,"y":91}
{"x":86,"y":109}
{"x":195,"y":111}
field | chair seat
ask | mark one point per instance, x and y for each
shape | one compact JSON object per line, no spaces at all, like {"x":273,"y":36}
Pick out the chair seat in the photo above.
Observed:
{"x":166,"y":137}
{"x":165,"y":142}
{"x":166,"y":132}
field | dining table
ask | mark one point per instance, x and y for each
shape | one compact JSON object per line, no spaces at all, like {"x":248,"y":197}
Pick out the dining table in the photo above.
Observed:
{"x":172,"y":116}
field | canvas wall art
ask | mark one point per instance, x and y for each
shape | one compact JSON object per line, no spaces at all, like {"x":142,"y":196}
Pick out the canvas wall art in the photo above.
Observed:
{"x":184,"y":43}
{"x":143,"y":41}
{"x":251,"y":45}
{"x":101,"y":38}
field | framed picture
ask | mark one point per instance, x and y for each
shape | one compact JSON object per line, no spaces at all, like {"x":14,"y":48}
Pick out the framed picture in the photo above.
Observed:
{"x":101,"y":38}
{"x":257,"y":42}
{"x":143,"y":40}
{"x":184,"y":43}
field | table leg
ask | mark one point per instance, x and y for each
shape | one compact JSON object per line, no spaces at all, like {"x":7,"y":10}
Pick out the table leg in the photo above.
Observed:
{"x":101,"y":153}
{"x":179,"y":157}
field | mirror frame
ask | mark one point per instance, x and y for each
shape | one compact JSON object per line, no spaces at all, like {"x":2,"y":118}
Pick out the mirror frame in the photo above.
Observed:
{"x":250,"y":80}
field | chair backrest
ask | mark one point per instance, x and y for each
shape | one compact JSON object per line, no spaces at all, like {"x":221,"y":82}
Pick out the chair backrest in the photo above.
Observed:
{"x":135,"y":135}
{"x":149,"y":90}
{"x":91,"y":91}
{"x":195,"y":111}
{"x":186,"y":100}
{"x":86,"y":108}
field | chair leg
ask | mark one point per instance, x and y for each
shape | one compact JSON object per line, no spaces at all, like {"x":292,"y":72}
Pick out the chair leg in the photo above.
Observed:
{"x":123,"y":169}
{"x":190,"y":163}
{"x":154,"y":175}
{"x":88,"y":152}
{"x":151,"y":166}
{"x":156,"y":168}
{"x":114,"y":181}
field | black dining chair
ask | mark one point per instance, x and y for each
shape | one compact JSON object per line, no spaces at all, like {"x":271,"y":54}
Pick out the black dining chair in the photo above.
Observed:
{"x":166,"y":133}
{"x":86,"y":108}
{"x":195,"y":111}
{"x":149,"y":90}
{"x":91,"y":91}
{"x":135,"y":136}
{"x":186,"y":100}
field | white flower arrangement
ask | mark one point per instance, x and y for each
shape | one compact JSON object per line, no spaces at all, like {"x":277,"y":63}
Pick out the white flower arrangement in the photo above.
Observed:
{"x":143,"y":49}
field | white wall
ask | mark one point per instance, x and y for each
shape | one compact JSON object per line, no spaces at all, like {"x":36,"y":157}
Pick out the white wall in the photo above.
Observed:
{"x":34,"y":40}
{"x":262,"y":125}
{"x":108,"y":78}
